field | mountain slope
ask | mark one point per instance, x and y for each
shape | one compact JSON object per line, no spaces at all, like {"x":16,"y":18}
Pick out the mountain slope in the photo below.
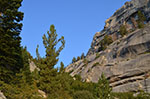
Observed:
{"x":125,"y":62}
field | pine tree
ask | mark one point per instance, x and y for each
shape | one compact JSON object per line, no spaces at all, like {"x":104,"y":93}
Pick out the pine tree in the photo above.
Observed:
{"x":78,"y":58}
{"x":141,"y":19}
{"x":10,"y":28}
{"x":50,"y":43}
{"x":74,"y":60}
{"x":123,"y":30}
{"x":82,"y":56}
{"x":103,"y":90}
{"x":37,"y":53}
{"x":61,"y":67}
{"x":48,"y":73}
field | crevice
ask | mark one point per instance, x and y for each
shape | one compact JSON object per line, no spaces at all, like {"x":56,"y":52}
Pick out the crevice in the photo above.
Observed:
{"x":117,"y":81}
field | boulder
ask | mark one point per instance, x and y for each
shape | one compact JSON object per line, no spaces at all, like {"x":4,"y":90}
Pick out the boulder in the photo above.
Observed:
{"x":2,"y":95}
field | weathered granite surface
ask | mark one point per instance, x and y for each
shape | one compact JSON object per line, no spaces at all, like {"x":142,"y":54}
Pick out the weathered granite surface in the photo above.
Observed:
{"x":126,"y":15}
{"x":125,"y":62}
{"x":32,"y":66}
{"x":2,"y":95}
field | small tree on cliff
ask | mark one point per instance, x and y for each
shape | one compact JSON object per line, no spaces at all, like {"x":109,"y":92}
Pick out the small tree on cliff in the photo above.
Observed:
{"x":123,"y":30}
{"x":82,"y":56}
{"x":141,"y":19}
{"x":78,"y":58}
{"x":37,"y":53}
{"x":105,"y":42}
{"x":74,"y":60}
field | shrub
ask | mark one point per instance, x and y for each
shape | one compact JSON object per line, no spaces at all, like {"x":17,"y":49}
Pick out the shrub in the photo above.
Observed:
{"x":78,"y":58}
{"x":141,"y":19}
{"x":82,"y":56}
{"x":74,"y":60}
{"x":104,"y":90}
{"x":83,"y":95}
{"x":105,"y":42}
{"x":123,"y":30}
{"x":97,"y":55}
{"x":95,"y":64}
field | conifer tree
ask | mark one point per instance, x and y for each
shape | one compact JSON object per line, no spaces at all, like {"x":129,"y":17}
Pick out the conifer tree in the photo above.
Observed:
{"x":10,"y":28}
{"x":61,"y":67}
{"x":82,"y":56}
{"x":37,"y":53}
{"x":141,"y":19}
{"x":74,"y":60}
{"x":50,"y":43}
{"x":47,"y":71}
{"x":78,"y":58}
{"x":103,"y":89}
{"x":123,"y":30}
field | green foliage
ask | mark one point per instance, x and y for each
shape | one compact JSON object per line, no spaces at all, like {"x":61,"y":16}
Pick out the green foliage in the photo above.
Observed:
{"x":89,"y":70}
{"x":78,"y":77}
{"x":97,"y":55}
{"x":70,"y":72}
{"x":123,"y":30}
{"x":127,"y":95}
{"x":131,"y":95}
{"x":74,"y":60}
{"x":85,"y":61}
{"x":78,"y":58}
{"x":16,"y":80}
{"x":23,"y":84}
{"x":105,"y":42}
{"x":103,"y":90}
{"x":37,"y":53}
{"x":141,"y":19}
{"x":62,"y":69}
{"x":10,"y":28}
{"x":20,"y":91}
{"x":95,"y":64}
{"x":140,"y":25}
{"x":83,"y":95}
{"x":50,"y":43}
{"x":47,"y":73}
{"x":82,"y":56}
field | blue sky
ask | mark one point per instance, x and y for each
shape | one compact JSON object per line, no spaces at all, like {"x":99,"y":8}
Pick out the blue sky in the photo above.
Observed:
{"x":76,"y":20}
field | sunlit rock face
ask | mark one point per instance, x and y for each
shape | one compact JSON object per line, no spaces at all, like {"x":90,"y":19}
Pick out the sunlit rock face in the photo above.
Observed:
{"x":125,"y":62}
{"x":126,"y":15}
{"x":2,"y":95}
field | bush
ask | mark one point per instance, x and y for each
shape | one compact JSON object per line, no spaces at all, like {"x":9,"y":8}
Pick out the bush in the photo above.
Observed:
{"x":123,"y":30}
{"x":78,"y":58}
{"x":105,"y":42}
{"x":95,"y":64}
{"x":97,"y":55}
{"x":83,"y":95}
{"x":74,"y":60}
{"x":141,"y":19}
{"x":103,"y":89}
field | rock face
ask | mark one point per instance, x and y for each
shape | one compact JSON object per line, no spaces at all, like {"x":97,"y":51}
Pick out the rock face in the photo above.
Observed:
{"x":33,"y":66}
{"x":2,"y":95}
{"x":126,"y":15}
{"x":125,"y":62}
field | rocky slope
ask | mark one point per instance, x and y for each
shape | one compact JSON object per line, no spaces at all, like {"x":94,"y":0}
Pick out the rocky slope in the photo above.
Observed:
{"x":125,"y":62}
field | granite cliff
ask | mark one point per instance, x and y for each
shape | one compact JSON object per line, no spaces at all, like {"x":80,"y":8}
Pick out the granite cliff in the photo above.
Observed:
{"x":126,"y":61}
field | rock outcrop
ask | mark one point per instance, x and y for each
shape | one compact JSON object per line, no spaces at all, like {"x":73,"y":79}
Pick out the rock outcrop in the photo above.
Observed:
{"x":2,"y":95}
{"x":126,"y":15}
{"x":32,"y":66}
{"x":125,"y":62}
